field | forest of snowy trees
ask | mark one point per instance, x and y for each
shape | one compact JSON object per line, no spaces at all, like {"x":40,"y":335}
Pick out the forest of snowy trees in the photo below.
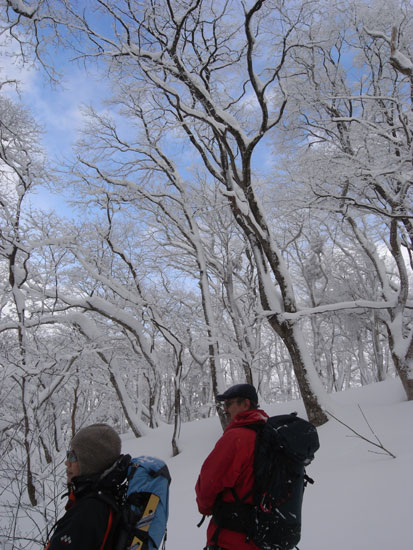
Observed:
{"x":242,"y":211}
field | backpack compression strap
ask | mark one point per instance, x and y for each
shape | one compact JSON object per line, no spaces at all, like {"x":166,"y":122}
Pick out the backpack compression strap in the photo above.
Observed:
{"x":145,"y":522}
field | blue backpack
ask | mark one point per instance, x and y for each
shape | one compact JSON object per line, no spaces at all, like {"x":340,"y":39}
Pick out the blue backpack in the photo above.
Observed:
{"x":139,"y":509}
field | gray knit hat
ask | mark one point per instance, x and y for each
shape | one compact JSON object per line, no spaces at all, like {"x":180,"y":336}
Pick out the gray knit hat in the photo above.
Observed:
{"x":96,"y":448}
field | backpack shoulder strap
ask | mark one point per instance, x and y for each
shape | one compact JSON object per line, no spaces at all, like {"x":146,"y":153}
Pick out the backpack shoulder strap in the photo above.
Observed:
{"x":108,"y":531}
{"x":256,"y":427}
{"x":113,"y":518}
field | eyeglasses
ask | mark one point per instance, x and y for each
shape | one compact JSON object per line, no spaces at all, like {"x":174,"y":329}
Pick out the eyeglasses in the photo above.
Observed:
{"x":71,"y":456}
{"x":229,"y":402}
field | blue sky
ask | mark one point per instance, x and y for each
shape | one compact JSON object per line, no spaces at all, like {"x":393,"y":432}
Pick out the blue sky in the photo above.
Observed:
{"x":57,"y":109}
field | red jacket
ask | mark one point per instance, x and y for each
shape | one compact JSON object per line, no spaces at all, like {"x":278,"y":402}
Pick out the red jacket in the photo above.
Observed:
{"x":229,"y":465}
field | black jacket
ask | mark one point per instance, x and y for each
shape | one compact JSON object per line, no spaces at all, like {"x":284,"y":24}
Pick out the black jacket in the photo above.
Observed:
{"x":87,"y":518}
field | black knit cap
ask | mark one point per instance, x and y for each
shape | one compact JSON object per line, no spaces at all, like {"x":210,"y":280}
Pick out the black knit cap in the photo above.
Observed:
{"x":247,"y":391}
{"x":96,"y":447}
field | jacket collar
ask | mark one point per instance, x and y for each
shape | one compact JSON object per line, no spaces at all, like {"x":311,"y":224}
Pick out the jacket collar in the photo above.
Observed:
{"x":83,"y":484}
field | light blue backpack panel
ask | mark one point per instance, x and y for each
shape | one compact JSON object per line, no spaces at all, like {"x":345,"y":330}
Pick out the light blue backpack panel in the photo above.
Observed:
{"x":149,"y":476}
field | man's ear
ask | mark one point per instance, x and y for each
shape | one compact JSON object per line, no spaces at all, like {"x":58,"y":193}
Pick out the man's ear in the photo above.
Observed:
{"x":246,"y":404}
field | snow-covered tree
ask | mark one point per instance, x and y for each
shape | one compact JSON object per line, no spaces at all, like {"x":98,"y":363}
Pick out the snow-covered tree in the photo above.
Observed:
{"x":350,"y":122}
{"x":198,"y":66}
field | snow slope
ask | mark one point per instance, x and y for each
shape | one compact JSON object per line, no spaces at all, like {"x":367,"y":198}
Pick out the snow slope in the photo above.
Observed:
{"x":361,"y":500}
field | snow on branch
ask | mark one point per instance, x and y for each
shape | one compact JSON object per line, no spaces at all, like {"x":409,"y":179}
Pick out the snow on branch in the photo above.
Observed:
{"x":19,"y":7}
{"x":370,"y":125}
{"x":399,"y":61}
{"x":377,"y":34}
{"x":356,"y":304}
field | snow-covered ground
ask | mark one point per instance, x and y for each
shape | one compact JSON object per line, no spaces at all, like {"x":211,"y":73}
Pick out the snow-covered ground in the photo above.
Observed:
{"x":361,"y":500}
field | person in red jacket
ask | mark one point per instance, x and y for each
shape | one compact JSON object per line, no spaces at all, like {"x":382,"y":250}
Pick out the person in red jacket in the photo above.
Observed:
{"x":229,"y":467}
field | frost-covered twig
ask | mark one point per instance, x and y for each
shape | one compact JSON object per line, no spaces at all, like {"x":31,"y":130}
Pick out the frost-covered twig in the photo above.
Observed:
{"x":368,"y":424}
{"x":379,"y":444}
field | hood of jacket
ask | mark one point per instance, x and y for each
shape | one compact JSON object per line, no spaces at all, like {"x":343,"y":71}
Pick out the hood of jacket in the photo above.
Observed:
{"x":252,"y":416}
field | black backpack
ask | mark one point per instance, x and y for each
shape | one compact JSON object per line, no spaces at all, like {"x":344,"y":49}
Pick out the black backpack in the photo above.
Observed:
{"x":284,"y":446}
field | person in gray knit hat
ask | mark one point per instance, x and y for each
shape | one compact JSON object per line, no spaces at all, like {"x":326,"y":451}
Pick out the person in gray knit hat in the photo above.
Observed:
{"x":87,"y":523}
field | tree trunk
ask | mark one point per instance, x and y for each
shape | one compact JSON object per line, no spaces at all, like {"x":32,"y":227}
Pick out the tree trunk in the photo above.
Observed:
{"x":119,"y":393}
{"x":313,"y":408}
{"x":378,"y":354}
{"x":31,"y":489}
{"x":403,"y":365}
{"x":404,"y":370}
{"x":177,"y":404}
